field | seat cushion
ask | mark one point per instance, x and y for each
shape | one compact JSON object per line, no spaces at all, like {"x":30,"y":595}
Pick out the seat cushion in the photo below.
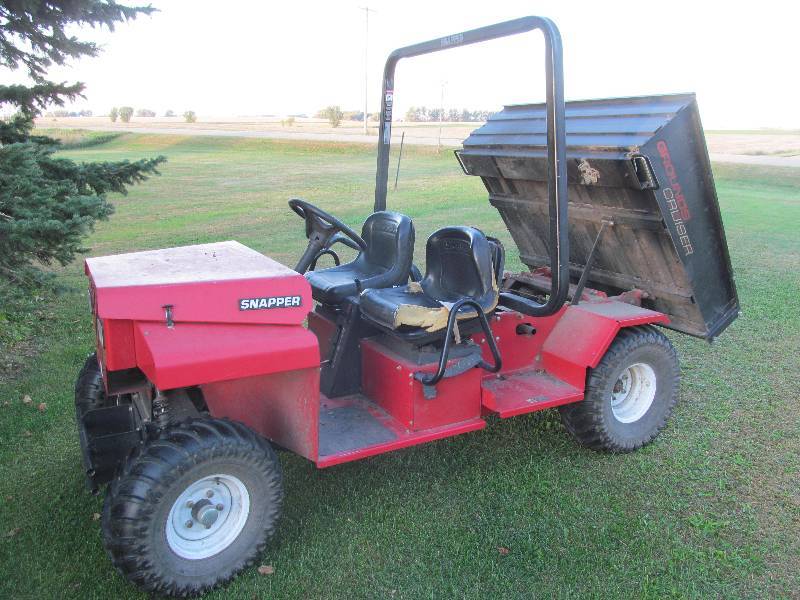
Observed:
{"x":409,"y":306}
{"x":337,"y":283}
{"x":459,"y":267}
{"x":385,"y":262}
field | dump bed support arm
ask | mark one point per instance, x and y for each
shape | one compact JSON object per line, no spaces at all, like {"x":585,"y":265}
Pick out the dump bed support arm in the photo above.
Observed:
{"x":556,"y":136}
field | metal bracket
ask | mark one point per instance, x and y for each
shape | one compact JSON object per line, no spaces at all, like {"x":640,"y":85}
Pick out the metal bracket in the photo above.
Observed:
{"x":322,"y":253}
{"x":168,"y":315}
{"x":576,"y":297}
{"x":430,"y":380}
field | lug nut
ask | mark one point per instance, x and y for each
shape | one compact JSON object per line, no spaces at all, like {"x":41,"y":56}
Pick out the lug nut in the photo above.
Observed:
{"x":209,"y":493}
{"x":189,"y":504}
{"x":189,"y":523}
{"x":219,"y":507}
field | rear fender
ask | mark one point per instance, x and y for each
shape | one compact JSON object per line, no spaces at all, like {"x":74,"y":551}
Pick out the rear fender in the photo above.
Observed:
{"x":583,"y":334}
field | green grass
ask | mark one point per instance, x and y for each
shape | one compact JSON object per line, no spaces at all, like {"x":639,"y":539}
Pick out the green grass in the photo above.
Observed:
{"x":711,"y":509}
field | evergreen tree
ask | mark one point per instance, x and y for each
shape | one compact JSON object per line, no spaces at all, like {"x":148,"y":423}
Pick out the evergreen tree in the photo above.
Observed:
{"x":49,"y":204}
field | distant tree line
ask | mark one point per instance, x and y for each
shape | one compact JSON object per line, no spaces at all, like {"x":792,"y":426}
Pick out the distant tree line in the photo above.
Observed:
{"x":335,"y":114}
{"x":68,"y":113}
{"x":420,"y":114}
{"x":423,"y":114}
{"x":125,"y":113}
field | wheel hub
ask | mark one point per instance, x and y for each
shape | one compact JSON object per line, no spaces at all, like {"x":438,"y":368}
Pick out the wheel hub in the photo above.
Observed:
{"x":206,"y":513}
{"x":207,"y":517}
{"x":633,"y":392}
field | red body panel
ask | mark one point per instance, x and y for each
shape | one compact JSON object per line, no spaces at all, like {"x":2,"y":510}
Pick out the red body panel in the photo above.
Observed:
{"x":117,"y":350}
{"x":196,"y":353}
{"x":584,"y":333}
{"x":389,"y":381}
{"x":283,"y":407}
{"x":202,"y":284}
{"x":548,"y":368}
{"x":214,"y":335}
{"x":518,"y":351}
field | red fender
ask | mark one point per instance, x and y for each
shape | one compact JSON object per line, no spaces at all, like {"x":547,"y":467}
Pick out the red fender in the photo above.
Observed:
{"x":197,"y":353}
{"x":583,"y":334}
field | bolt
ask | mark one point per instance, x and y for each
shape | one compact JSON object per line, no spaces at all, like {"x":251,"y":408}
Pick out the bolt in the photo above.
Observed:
{"x":399,"y":367}
{"x":189,"y":504}
{"x":219,"y":506}
{"x":209,"y":493}
{"x":189,"y":523}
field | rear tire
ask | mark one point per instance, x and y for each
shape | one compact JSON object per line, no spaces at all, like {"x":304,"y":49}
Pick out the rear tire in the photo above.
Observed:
{"x":217,"y":475}
{"x":630,"y":395}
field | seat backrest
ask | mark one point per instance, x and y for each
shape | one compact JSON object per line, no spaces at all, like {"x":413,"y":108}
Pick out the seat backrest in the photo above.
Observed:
{"x":459,"y":264}
{"x":390,"y":248}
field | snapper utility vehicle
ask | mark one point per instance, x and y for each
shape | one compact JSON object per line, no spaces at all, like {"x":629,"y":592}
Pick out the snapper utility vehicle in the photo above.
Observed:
{"x":210,"y":356}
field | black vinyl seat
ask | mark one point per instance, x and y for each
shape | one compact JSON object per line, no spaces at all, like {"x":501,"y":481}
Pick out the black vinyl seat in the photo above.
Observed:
{"x":461,"y":263}
{"x":385,"y":262}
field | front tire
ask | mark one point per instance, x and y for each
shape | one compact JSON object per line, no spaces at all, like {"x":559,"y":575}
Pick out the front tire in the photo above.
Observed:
{"x":89,"y":390}
{"x":193,"y":508}
{"x":630,"y":395}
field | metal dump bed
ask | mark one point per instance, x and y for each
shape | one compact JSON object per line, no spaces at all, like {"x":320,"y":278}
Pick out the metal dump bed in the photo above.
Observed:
{"x":639,"y":165}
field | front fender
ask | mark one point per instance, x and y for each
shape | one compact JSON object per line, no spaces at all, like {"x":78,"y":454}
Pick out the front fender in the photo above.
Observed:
{"x":189,"y":354}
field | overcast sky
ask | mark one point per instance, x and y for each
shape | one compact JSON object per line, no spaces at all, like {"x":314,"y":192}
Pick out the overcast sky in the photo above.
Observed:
{"x":256,"y":58}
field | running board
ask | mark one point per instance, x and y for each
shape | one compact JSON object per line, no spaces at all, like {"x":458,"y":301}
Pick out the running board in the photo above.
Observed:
{"x":354,"y":427}
{"x":524,"y":391}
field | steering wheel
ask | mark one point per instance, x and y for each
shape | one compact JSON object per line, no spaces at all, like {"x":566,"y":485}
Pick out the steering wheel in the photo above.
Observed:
{"x":322,"y":230}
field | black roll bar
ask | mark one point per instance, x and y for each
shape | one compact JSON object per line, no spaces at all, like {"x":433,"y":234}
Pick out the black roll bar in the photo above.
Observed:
{"x":431,"y":379}
{"x":556,"y":136}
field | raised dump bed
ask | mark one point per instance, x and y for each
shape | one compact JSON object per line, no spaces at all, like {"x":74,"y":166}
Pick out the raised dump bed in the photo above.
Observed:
{"x":639,"y":169}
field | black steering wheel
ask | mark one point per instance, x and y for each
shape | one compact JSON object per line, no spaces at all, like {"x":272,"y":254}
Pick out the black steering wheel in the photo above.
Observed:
{"x":322,"y":230}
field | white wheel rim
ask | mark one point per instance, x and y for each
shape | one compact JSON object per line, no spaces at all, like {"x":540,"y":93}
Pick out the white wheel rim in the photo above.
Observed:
{"x":207,"y":517}
{"x":633,"y":393}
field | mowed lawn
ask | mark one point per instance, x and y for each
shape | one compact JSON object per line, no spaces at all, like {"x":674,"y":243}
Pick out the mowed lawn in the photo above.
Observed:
{"x":711,"y":509}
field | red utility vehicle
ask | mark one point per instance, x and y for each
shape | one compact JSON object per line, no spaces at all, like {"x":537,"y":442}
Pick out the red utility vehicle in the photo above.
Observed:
{"x":210,"y":356}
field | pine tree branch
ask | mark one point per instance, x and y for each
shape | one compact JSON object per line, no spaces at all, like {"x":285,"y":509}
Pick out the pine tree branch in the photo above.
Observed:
{"x":48,"y":205}
{"x":30,"y":101}
{"x":33,"y":32}
{"x":102,"y":177}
